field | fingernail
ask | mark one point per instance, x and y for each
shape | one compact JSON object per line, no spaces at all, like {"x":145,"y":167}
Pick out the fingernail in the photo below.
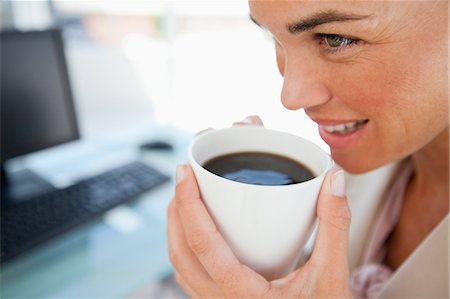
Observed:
{"x":181,"y":173}
{"x":338,"y":183}
{"x":247,"y":121}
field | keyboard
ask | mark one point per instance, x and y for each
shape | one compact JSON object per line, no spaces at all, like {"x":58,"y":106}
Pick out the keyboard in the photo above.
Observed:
{"x":39,"y":219}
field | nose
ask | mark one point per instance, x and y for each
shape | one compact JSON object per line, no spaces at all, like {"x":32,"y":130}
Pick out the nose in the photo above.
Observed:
{"x":303,"y":85}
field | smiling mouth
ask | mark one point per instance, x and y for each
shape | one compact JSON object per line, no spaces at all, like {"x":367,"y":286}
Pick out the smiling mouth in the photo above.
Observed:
{"x":347,"y":128}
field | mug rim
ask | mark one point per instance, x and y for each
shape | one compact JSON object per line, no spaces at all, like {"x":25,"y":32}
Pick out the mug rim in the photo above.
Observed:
{"x":193,"y":161}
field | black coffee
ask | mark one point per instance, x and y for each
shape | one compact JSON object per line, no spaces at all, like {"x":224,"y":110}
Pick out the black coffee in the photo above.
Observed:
{"x":259,"y":169}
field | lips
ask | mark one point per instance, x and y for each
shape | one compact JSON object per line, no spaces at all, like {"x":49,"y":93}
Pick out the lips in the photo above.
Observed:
{"x":341,"y":134}
{"x":345,"y":128}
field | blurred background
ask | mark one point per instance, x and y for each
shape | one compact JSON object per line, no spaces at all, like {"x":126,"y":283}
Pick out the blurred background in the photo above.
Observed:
{"x":144,"y":77}
{"x":190,"y":64}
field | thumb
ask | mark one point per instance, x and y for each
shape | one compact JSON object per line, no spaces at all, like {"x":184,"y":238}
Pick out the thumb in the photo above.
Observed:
{"x":334,"y":221}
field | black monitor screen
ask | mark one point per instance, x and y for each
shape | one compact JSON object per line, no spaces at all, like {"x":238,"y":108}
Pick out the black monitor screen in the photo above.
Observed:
{"x":36,"y":102}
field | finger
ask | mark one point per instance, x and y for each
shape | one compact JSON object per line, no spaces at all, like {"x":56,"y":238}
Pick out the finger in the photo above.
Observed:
{"x":185,"y":286}
{"x":334,"y":222}
{"x":183,"y":259}
{"x":297,"y":282}
{"x":283,"y":281}
{"x":207,"y":243}
{"x":204,"y":131}
{"x":250,"y":120}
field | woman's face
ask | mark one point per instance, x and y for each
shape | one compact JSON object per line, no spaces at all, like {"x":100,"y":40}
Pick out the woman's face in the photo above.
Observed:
{"x":371,"y":74}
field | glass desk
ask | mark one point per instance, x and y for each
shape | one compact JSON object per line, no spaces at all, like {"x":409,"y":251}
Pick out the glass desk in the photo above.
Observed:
{"x":101,"y":259}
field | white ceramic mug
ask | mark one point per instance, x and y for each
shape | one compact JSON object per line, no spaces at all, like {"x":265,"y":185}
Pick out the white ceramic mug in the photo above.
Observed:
{"x":265,"y":226}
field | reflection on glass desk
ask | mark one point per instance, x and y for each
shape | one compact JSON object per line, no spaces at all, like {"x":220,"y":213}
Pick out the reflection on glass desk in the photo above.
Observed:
{"x":113,"y":256}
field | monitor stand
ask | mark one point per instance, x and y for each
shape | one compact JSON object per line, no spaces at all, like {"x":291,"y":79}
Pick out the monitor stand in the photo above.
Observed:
{"x":22,"y":185}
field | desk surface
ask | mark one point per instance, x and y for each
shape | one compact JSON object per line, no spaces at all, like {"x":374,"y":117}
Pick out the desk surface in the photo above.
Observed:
{"x":98,"y":259}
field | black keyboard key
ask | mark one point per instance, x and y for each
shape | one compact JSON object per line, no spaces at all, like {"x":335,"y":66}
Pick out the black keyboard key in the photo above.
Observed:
{"x":30,"y":223}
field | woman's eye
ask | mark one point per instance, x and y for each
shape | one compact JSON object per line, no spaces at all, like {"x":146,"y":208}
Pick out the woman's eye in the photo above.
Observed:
{"x":334,"y":43}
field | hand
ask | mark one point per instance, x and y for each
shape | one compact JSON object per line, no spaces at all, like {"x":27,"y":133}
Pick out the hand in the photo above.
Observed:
{"x":250,"y":120}
{"x":205,"y":266}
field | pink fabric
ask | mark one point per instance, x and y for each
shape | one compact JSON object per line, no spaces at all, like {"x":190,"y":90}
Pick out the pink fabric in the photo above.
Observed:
{"x":368,"y":279}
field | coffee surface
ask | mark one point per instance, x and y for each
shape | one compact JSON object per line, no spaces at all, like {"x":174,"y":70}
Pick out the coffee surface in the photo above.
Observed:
{"x":259,"y":169}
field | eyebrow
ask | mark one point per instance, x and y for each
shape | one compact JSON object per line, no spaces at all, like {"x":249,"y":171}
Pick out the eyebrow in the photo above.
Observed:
{"x":319,"y":18}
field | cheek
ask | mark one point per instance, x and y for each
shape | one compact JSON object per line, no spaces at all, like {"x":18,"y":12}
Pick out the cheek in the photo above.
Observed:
{"x":405,"y":101}
{"x":369,"y":91}
{"x":379,"y":88}
{"x":396,"y":81}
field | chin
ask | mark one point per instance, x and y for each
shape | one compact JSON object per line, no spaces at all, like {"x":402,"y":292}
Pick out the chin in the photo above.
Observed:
{"x":355,"y":165}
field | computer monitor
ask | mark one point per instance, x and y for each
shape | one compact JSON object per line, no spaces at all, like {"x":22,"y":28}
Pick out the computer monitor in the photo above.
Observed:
{"x":37,"y":109}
